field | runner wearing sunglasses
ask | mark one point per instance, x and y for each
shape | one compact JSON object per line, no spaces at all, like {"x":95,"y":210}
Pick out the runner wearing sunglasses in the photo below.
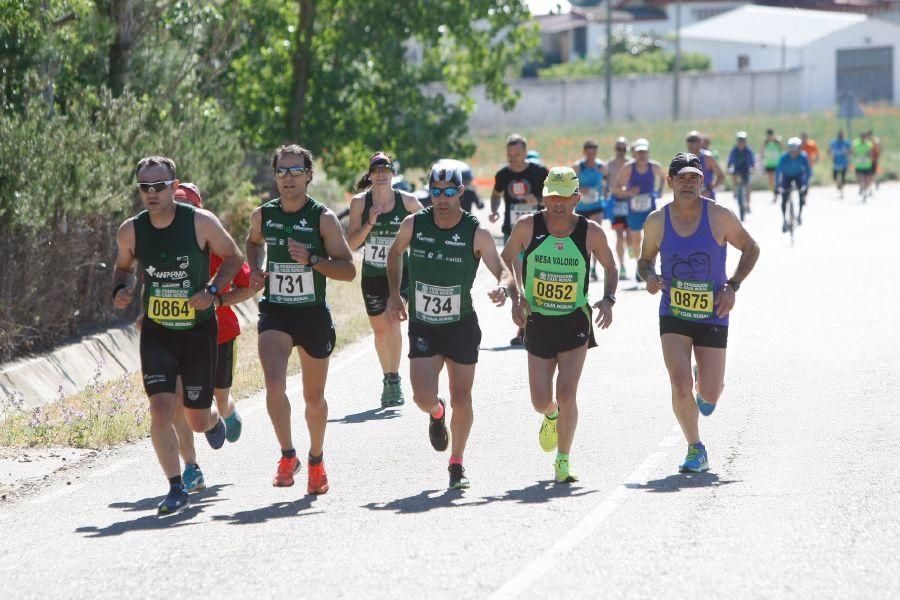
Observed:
{"x":294,"y":244}
{"x":172,"y":243}
{"x":375,"y":217}
{"x":446,"y":245}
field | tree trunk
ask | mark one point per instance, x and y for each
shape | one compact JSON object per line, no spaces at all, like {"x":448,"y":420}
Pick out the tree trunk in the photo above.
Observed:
{"x":302,"y":63}
{"x":122,"y":14}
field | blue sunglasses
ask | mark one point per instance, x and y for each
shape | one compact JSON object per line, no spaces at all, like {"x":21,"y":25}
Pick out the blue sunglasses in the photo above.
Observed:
{"x":449,"y":192}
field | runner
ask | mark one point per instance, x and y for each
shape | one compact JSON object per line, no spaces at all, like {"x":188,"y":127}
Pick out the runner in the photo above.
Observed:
{"x":446,"y":245}
{"x":618,"y":206}
{"x":793,"y":169}
{"x":863,"y":164}
{"x":592,"y":204}
{"x":712,"y":172}
{"x":839,"y":151}
{"x":692,"y":235}
{"x":554,"y":306}
{"x":375,"y":217}
{"x":771,"y":152}
{"x":740,"y":165}
{"x":811,"y":148}
{"x":876,"y":153}
{"x":305,"y":245}
{"x":638,"y":181}
{"x":172,"y":242}
{"x":229,"y":330}
{"x":519,"y":183}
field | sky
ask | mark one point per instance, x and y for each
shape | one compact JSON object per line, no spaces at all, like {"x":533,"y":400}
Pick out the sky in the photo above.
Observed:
{"x":543,"y":7}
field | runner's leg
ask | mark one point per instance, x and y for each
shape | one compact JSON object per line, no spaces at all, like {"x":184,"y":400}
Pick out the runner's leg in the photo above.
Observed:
{"x":185,"y":434}
{"x":570,"y":363}
{"x":461,"y":379}
{"x":540,"y":382}
{"x":162,"y":432}
{"x":424,"y":374}
{"x":274,"y":352}
{"x":314,"y":373}
{"x":677,"y":355}
{"x":710,"y":372}
{"x":388,"y":342}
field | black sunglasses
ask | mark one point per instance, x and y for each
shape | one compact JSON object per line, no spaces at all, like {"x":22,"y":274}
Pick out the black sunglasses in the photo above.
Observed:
{"x":294,"y":171}
{"x":154,"y":186}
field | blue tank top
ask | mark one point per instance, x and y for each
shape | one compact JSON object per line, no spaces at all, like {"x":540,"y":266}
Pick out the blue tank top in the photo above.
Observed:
{"x":694,"y":268}
{"x":645,"y":201}
{"x":590,"y":177}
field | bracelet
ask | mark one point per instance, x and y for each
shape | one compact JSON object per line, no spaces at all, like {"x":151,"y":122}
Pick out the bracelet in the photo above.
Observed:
{"x":116,"y":289}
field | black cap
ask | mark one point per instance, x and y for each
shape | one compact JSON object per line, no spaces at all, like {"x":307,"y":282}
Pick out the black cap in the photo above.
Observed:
{"x":685,"y":162}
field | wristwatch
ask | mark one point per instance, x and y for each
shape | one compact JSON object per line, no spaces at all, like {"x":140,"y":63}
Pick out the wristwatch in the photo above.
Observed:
{"x":212,"y":289}
{"x":313,"y":260}
{"x":735,"y":285}
{"x":611,"y":298}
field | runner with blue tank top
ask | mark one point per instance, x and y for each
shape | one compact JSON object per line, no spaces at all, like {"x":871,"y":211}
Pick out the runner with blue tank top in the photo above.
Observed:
{"x":691,"y":236}
{"x":591,"y":172}
{"x":839,"y":150}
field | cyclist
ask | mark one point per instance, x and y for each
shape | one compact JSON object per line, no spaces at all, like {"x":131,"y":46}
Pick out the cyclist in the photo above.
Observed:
{"x":793,"y":169}
{"x":740,"y":165}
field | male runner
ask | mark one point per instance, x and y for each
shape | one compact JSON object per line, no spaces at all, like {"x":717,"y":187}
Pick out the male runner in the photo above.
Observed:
{"x":592,"y":203}
{"x":171,"y":242}
{"x":863,"y":163}
{"x":638,"y":181}
{"x":712,"y":172}
{"x":375,"y":217}
{"x":446,"y":245}
{"x":793,"y":169}
{"x":618,"y":206}
{"x":839,"y":151}
{"x":740,"y":165}
{"x":771,"y":152}
{"x":691,"y":235}
{"x":809,"y":145}
{"x":554,"y":309}
{"x":300,"y":243}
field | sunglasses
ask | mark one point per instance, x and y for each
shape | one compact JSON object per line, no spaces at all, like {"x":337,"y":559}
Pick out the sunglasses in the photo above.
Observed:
{"x":449,"y":192}
{"x":282,"y":172}
{"x":382,"y":169}
{"x":154,"y":186}
{"x":621,"y":149}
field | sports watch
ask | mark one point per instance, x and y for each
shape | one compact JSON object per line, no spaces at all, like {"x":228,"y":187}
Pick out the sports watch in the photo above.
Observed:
{"x":611,"y":298}
{"x":313,"y":260}
{"x":213,"y":289}
{"x":735,"y":285}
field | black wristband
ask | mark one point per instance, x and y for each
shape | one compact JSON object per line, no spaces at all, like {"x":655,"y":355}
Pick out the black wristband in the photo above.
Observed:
{"x":116,"y":289}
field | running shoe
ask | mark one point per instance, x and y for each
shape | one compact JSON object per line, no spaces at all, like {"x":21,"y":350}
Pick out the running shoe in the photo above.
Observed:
{"x":175,"y":500}
{"x":233,"y":426}
{"x":547,"y":436}
{"x":706,"y":408}
{"x":216,"y":435}
{"x":696,"y":460}
{"x":563,"y":472}
{"x":784,"y":227}
{"x":284,"y":477}
{"x":193,"y":478}
{"x":458,"y":479}
{"x":391,"y":392}
{"x":437,"y":430}
{"x":623,"y":274}
{"x":519,"y":340}
{"x":317,"y":483}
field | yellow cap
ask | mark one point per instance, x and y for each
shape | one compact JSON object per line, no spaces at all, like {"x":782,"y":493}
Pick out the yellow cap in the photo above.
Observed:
{"x":561,"y":181}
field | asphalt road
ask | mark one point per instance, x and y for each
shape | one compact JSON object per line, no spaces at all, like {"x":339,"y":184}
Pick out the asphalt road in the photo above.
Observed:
{"x":803,"y":499}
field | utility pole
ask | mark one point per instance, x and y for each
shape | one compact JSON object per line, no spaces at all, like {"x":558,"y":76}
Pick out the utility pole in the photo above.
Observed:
{"x":607,"y":62}
{"x":677,"y":70}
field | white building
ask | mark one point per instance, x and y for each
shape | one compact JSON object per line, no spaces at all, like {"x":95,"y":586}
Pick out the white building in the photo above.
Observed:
{"x":836,"y":52}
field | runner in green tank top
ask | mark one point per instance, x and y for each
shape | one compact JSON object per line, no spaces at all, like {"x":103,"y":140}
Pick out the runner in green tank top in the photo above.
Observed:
{"x":770,"y":153}
{"x":446,"y":246}
{"x":305,"y":244}
{"x":553,"y":306}
{"x":375,"y":217}
{"x":172,"y":242}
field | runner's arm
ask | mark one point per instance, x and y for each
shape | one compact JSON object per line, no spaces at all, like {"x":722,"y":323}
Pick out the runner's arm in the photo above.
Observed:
{"x":240,"y":290}
{"x":124,"y":279}
{"x":599,"y":247}
{"x":256,"y":243}
{"x":395,"y":255}
{"x":621,"y":181}
{"x":410,"y":202}
{"x":658,"y":172}
{"x":515,"y":245}
{"x":220,"y":243}
{"x":357,"y":230}
{"x":487,"y":250}
{"x":338,"y":264}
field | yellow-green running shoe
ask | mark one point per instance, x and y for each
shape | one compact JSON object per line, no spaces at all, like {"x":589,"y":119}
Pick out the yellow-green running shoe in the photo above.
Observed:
{"x":547,"y":436}
{"x":564,"y":474}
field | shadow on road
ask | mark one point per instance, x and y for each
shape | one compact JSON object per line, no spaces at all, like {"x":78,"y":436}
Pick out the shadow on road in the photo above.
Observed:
{"x":199,"y":501}
{"x":680,"y":481}
{"x":542,"y":491}
{"x":502,"y":348}
{"x":278,"y":510}
{"x":373,"y":414}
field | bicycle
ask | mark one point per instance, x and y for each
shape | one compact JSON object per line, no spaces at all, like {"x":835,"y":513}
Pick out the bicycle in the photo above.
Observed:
{"x":792,"y":216}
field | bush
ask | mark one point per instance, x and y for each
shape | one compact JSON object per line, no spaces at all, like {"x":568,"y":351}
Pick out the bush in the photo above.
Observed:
{"x":645,"y":63}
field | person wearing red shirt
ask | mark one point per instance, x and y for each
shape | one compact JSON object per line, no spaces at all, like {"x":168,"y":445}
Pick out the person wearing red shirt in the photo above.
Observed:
{"x":229,"y":328}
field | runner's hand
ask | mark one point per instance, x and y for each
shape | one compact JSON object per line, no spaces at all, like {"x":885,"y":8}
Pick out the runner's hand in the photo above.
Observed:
{"x":258,"y":279}
{"x":298,"y":251}
{"x":374,"y":211}
{"x":655,"y":283}
{"x":725,"y":301}
{"x":604,"y":315}
{"x":494,"y":217}
{"x":123,"y":297}
{"x":520,"y":311}
{"x":779,"y":189}
{"x":396,"y":309}
{"x":498,"y":295}
{"x":201,"y":300}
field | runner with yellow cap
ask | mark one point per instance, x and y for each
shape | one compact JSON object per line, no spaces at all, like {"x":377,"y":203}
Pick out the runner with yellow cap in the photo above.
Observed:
{"x":552,"y":305}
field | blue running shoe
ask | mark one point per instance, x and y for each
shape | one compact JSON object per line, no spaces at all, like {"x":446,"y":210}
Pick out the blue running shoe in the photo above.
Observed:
{"x":176,"y":500}
{"x":696,"y":460}
{"x":216,"y":435}
{"x":706,"y":408}
{"x":193,"y":478}
{"x":233,"y":425}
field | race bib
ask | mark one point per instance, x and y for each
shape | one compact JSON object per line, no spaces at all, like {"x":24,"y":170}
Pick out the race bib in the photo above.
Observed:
{"x":590,"y":196}
{"x":517,"y":211}
{"x":169,"y":307}
{"x":376,"y":251}
{"x":554,"y":291}
{"x":438,"y":304}
{"x":642,"y":203}
{"x":291,"y":283}
{"x":620,"y":208}
{"x":691,"y":300}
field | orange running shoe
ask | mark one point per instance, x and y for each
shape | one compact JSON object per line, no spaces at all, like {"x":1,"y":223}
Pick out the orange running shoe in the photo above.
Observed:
{"x":284,"y":477}
{"x":318,"y":480}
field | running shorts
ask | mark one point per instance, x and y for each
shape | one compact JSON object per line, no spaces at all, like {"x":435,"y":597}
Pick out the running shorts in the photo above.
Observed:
{"x":225,"y":362}
{"x":702,"y":334}
{"x":458,"y":341}
{"x":868,"y":171}
{"x":771,"y":169}
{"x":310,"y":327}
{"x":375,"y":291}
{"x":190,"y":353}
{"x":546,"y":336}
{"x":636,"y":220}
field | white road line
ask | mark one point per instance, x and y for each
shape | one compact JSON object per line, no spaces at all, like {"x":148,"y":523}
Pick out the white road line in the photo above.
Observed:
{"x":55,"y":494}
{"x":586,"y":527}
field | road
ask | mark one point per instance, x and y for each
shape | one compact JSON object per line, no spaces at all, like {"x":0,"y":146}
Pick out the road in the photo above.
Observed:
{"x":803,"y":499}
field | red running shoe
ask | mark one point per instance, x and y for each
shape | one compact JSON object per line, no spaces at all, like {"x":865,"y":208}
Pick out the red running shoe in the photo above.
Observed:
{"x":318,"y":480}
{"x":284,"y":477}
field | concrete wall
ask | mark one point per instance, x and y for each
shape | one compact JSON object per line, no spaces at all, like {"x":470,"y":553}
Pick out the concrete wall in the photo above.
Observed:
{"x":645,"y":98}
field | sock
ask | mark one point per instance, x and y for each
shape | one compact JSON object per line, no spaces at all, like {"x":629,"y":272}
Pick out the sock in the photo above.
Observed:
{"x":392,"y":377}
{"x":316,"y":460}
{"x":175,"y":482}
{"x":440,"y":414}
{"x":560,"y":456}
{"x":217,"y":428}
{"x":554,"y":415}
{"x":289,"y":453}
{"x":456,"y":460}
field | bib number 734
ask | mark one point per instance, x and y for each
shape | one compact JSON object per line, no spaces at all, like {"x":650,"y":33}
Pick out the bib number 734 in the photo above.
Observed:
{"x":438,"y":304}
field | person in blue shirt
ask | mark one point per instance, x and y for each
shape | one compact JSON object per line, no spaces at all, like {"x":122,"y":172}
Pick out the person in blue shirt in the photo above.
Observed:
{"x":793,"y":170}
{"x":591,"y":172}
{"x":839,"y":151}
{"x":740,"y":165}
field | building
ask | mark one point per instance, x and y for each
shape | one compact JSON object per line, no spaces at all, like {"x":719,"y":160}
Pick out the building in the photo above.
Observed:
{"x":837,"y":52}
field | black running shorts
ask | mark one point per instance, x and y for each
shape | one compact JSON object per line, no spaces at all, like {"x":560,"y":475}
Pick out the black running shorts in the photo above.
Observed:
{"x":458,"y":341}
{"x":702,"y":334}
{"x":375,"y":291}
{"x":225,"y":364}
{"x":190,"y":353}
{"x":545,"y":337}
{"x":310,"y":327}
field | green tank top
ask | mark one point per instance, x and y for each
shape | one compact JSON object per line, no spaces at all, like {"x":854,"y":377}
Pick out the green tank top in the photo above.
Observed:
{"x":442,"y":267}
{"x":174,"y":268}
{"x":862,"y":154}
{"x":289,"y":283}
{"x":379,"y":240}
{"x":556,"y":269}
{"x":771,"y":154}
